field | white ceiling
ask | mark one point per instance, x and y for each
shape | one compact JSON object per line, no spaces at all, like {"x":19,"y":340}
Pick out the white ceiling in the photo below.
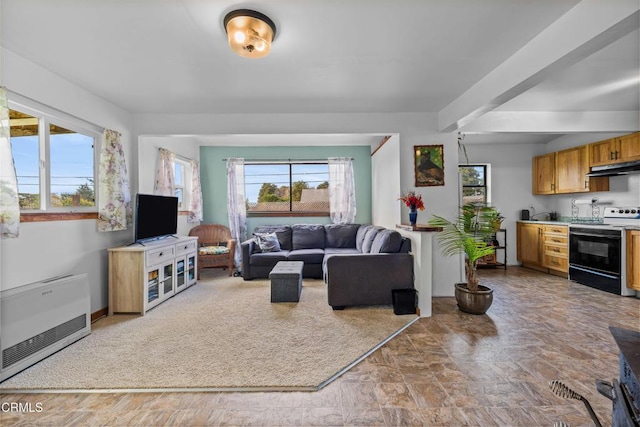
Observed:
{"x":351,"y":56}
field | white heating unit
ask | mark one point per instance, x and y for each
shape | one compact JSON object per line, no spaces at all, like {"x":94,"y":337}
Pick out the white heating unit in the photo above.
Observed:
{"x":38,"y":319}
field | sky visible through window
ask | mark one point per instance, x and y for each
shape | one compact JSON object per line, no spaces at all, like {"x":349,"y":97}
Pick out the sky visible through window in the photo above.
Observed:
{"x":71,"y":160}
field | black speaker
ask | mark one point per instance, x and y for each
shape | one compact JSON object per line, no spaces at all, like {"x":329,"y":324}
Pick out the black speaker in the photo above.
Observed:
{"x":524,"y":214}
{"x":405,"y":301}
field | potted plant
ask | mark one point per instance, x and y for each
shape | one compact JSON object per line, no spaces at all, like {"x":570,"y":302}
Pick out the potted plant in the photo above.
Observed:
{"x":467,"y":235}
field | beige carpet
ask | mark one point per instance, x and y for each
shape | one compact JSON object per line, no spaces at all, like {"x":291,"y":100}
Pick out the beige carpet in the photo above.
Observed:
{"x":221,"y":333}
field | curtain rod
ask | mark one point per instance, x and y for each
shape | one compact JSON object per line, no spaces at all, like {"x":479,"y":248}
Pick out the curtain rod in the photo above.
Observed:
{"x":51,"y":110}
{"x":286,"y":160}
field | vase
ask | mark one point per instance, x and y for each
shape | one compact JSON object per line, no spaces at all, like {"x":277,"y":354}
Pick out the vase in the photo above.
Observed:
{"x":413,"y":216}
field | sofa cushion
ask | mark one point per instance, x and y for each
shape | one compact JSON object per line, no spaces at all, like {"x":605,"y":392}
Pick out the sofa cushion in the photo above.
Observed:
{"x":360,"y":234}
{"x":267,"y":242}
{"x":308,"y":256}
{"x":307,"y":236}
{"x":267,"y":259}
{"x":341,"y":235}
{"x":369,"y":237}
{"x":386,"y":241}
{"x":282,"y":231}
{"x":341,"y":251}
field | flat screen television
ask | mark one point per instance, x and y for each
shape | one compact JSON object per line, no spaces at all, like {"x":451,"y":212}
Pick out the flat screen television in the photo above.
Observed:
{"x":156,"y":216}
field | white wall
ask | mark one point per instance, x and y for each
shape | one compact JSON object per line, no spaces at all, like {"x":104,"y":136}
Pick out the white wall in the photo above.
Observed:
{"x":47,"y":249}
{"x":385,"y":184}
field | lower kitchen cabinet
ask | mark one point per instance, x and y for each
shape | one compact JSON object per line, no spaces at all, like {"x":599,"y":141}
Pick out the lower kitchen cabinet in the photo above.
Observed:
{"x":633,"y":259}
{"x":543,"y":247}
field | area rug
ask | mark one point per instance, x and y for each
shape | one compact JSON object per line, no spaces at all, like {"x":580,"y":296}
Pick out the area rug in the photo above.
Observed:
{"x":221,"y":333}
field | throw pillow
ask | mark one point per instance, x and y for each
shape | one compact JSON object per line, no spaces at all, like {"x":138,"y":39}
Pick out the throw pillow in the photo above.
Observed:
{"x":267,"y":242}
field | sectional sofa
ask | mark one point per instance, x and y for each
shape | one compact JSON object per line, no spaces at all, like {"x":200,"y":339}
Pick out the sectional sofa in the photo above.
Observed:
{"x":361,"y":264}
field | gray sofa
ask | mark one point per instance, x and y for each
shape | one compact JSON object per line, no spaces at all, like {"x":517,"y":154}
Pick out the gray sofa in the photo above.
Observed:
{"x":361,"y":264}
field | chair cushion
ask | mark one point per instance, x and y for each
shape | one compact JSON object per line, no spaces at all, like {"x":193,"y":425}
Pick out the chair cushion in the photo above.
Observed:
{"x":386,"y":241}
{"x":344,"y":251}
{"x":267,"y":242}
{"x":282,"y":231}
{"x":308,"y":256}
{"x":341,"y":235}
{"x":213,"y":250}
{"x":307,"y":236}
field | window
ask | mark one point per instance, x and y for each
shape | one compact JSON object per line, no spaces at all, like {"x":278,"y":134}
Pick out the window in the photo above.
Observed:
{"x":285,"y":188}
{"x":54,"y":160}
{"x":179,"y":172}
{"x":474,"y":184}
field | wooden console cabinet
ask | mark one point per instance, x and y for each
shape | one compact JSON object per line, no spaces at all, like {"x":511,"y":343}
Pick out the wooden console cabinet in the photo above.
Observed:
{"x":142,"y":276}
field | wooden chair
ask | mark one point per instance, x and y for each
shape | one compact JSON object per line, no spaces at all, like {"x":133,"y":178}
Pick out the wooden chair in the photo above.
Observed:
{"x":216,"y":247}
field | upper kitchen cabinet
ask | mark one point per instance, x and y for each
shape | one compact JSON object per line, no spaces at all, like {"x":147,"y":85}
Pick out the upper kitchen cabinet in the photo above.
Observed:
{"x":565,"y":172}
{"x":544,"y":174}
{"x":621,"y":149}
{"x":571,"y":167}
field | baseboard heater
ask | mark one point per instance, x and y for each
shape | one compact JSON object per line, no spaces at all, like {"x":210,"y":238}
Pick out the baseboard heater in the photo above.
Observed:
{"x":38,"y":319}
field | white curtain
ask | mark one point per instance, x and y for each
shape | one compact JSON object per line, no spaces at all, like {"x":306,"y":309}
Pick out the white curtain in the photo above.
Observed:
{"x":195,"y":204}
{"x":236,"y":204}
{"x":114,"y":194}
{"x":9,"y":203}
{"x":165,"y":174}
{"x":342,"y":190}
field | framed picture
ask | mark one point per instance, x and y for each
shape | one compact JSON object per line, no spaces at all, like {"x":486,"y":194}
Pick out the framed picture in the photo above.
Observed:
{"x":429,"y":165}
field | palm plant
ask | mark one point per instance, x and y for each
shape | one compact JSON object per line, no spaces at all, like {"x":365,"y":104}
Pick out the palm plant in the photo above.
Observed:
{"x":466,"y":235}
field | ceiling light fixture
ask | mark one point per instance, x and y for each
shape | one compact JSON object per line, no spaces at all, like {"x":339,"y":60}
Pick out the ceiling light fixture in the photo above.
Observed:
{"x":250,"y":33}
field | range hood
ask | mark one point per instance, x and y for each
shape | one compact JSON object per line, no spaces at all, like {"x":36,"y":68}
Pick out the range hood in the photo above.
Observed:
{"x":615,"y":169}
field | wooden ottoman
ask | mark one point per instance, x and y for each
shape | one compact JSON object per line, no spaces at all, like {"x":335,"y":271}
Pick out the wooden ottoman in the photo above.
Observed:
{"x":286,"y":281}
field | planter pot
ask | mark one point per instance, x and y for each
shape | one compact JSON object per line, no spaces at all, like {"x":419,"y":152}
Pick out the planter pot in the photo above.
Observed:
{"x":473,"y":302}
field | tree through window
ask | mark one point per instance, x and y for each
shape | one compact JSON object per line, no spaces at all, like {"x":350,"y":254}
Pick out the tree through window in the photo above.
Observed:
{"x":474,"y":183}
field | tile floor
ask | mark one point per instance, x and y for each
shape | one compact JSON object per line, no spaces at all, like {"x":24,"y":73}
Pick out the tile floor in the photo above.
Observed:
{"x":452,"y":369}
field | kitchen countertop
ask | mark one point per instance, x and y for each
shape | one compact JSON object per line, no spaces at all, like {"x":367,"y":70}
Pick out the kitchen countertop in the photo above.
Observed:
{"x":568,"y":222}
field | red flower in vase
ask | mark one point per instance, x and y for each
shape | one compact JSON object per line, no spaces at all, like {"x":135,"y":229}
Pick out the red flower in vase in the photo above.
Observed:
{"x":412,"y":200}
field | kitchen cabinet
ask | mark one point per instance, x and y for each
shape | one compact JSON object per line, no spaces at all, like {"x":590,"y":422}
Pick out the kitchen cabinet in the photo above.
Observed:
{"x":529,"y":248}
{"x":544,"y":174}
{"x":565,"y":172}
{"x":633,"y":259}
{"x":571,"y":166}
{"x":555,"y":241}
{"x":543,"y":247}
{"x":621,"y":149}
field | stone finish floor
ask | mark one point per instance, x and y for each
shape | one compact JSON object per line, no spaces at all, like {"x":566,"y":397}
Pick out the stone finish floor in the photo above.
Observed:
{"x":451,"y":369}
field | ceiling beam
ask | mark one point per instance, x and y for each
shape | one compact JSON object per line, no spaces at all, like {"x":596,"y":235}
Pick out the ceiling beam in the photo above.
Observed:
{"x":583,"y":30}
{"x":554,"y":122}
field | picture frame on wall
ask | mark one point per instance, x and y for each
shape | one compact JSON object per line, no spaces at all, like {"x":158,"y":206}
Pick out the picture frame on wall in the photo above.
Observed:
{"x":428,"y":165}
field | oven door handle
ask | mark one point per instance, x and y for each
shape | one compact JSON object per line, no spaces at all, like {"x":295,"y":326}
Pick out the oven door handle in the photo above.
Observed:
{"x":593,"y":271}
{"x":607,"y":236}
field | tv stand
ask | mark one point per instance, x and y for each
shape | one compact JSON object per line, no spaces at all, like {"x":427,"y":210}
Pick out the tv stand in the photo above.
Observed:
{"x":141,"y":276}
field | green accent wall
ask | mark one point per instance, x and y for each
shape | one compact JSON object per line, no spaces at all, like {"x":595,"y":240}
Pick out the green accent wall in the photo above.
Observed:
{"x":213,"y":176}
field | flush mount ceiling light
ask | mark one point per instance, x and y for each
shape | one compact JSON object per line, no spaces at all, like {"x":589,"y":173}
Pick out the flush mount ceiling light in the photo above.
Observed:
{"x":250,"y":33}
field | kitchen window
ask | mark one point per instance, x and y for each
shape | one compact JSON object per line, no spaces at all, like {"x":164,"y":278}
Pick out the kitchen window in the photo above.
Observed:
{"x":55,"y":161}
{"x":287,"y":188}
{"x":475,"y":184}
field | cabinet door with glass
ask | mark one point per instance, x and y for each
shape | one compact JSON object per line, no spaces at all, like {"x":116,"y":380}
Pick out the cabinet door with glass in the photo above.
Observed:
{"x":159,"y":284}
{"x":181,"y":274}
{"x":192,"y":268}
